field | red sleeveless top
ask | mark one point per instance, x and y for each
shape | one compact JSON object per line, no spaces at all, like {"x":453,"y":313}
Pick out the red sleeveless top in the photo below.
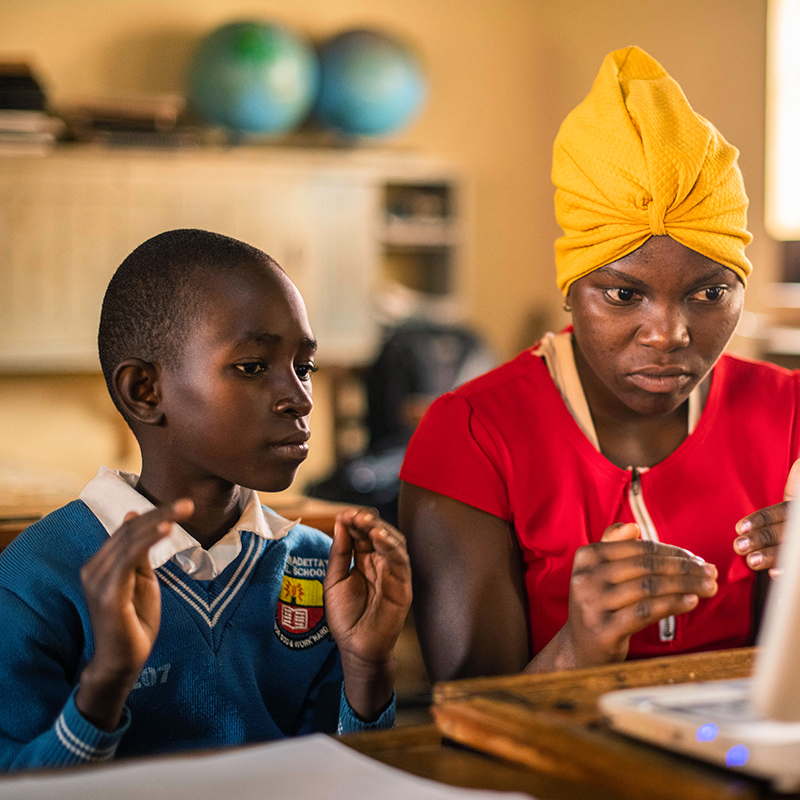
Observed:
{"x":507,"y":444}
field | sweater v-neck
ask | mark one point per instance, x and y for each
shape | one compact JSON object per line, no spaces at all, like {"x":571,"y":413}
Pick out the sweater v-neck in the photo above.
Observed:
{"x":212,"y":603}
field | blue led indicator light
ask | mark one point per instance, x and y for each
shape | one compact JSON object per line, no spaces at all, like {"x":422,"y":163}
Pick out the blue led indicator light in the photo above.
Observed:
{"x":707,"y":732}
{"x":737,"y":756}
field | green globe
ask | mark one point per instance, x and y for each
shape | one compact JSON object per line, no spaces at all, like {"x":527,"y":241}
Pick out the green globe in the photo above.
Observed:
{"x":253,"y":77}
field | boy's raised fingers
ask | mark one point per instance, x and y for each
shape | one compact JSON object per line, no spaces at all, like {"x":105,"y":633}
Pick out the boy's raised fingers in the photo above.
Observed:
{"x":385,"y":532}
{"x":139,"y":532}
{"x":158,"y":518}
{"x":341,"y":554}
{"x":358,"y":518}
{"x":391,"y":544}
{"x":362,"y":523}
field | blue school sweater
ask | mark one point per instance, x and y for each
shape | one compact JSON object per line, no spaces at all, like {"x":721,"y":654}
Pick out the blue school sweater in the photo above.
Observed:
{"x":246,"y":657}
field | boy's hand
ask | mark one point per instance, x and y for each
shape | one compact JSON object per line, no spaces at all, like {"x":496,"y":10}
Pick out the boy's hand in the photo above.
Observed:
{"x":367,"y":598}
{"x":124,"y":602}
{"x":623,"y":584}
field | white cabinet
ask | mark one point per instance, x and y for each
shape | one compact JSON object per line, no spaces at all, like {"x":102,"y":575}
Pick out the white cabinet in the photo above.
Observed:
{"x":328,"y":217}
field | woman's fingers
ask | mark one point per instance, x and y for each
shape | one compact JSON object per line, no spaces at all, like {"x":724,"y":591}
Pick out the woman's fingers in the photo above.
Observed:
{"x":630,"y":572}
{"x":621,"y":585}
{"x":620,"y":531}
{"x":648,"y":585}
{"x":633,"y":617}
{"x":604,"y":551}
{"x":760,"y":534}
{"x":792,"y":488}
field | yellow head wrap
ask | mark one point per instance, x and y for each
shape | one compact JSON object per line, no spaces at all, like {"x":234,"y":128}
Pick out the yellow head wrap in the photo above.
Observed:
{"x":632,"y":161}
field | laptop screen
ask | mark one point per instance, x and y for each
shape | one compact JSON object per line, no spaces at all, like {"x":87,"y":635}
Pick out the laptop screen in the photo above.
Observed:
{"x":776,"y":673}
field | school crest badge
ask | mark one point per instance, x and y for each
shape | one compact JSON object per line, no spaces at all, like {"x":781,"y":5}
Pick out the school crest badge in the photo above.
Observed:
{"x":300,"y":616}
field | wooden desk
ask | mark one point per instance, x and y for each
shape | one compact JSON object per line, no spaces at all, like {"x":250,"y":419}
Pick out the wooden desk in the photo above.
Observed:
{"x":422,"y":751}
{"x":542,"y":734}
{"x":11,"y":528}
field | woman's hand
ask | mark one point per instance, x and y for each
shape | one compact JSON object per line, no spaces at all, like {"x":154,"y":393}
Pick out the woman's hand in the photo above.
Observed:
{"x":759,"y":534}
{"x":367,"y":598}
{"x":124,"y":602}
{"x":621,"y":585}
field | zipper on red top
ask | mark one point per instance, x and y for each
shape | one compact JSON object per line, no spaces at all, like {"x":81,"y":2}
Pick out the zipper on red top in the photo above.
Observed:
{"x":666,"y":626}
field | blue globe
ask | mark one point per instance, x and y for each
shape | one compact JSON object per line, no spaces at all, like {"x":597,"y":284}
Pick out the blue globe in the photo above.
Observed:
{"x":370,"y":83}
{"x":253,"y":77}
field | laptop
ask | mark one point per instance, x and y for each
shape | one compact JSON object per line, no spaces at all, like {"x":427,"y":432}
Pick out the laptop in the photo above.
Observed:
{"x":750,"y":725}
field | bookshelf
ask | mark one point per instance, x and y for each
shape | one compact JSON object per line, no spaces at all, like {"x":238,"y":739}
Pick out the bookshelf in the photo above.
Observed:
{"x":344,"y":223}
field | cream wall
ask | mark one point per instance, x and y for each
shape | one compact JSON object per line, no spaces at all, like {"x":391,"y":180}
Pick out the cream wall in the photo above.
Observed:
{"x":503,"y":73}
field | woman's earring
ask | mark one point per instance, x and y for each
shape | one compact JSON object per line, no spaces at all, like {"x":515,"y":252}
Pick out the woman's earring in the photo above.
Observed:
{"x":566,"y":306}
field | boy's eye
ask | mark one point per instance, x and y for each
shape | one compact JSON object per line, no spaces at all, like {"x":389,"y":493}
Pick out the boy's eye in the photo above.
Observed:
{"x":620,"y":295}
{"x":711,"y":294}
{"x":304,"y":371}
{"x":251,"y":367}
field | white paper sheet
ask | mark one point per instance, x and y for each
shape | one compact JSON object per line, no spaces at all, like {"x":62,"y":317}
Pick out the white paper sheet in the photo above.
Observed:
{"x":311,"y":767}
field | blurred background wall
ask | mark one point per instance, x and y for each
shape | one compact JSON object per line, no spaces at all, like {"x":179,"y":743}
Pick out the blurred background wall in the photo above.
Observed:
{"x":502,"y":73}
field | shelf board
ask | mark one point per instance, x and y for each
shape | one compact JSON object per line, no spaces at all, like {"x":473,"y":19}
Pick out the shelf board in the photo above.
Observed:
{"x":434,"y":232}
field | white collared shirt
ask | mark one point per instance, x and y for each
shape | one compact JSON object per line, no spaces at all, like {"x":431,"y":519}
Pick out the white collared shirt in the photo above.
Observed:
{"x":111,"y":495}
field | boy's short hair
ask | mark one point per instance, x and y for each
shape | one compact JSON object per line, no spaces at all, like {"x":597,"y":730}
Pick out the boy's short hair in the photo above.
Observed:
{"x":152,"y":298}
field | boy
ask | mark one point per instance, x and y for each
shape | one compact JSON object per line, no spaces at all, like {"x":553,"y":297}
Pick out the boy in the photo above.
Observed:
{"x":170,"y":610}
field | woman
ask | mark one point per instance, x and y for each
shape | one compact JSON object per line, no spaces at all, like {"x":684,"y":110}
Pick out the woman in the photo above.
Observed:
{"x":596,"y":498}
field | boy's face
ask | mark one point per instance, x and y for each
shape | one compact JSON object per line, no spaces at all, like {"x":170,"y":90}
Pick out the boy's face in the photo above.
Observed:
{"x":237,"y":406}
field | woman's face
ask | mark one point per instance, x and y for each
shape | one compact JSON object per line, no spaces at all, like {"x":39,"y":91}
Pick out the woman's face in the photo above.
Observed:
{"x":650,"y":326}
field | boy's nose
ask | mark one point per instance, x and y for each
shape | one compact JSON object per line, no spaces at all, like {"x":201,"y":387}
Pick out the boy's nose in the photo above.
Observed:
{"x":296,"y":402}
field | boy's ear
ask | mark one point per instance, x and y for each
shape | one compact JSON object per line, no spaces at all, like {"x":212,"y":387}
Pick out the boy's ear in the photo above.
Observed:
{"x":137,"y":385}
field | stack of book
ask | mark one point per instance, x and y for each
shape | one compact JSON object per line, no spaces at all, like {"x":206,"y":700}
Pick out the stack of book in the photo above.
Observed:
{"x":25,"y":126}
{"x":153,"y":121}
